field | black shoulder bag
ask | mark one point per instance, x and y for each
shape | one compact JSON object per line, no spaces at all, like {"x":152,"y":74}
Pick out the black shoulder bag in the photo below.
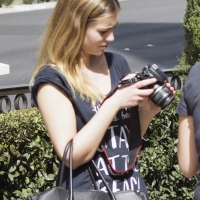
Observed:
{"x":59,"y":193}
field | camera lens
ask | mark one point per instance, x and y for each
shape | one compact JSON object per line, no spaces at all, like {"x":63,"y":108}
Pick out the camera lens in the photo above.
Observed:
{"x":161,"y":96}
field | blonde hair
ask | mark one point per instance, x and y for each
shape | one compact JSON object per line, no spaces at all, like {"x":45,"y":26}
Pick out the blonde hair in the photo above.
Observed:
{"x":61,"y":46}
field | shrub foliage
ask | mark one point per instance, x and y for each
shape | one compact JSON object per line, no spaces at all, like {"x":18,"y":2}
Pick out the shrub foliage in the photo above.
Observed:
{"x":158,"y":159}
{"x":28,"y":163}
{"x":28,"y":1}
{"x":191,"y":50}
{"x":6,"y":2}
{"x":27,"y":160}
{"x":191,"y":25}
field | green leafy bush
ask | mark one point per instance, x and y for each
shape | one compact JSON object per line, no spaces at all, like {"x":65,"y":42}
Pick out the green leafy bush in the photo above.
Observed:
{"x":158,"y":159}
{"x":28,"y":1}
{"x":28,"y":163}
{"x":191,"y":24}
{"x":27,"y":160}
{"x":191,"y":50}
{"x":1,"y":3}
{"x":6,"y":2}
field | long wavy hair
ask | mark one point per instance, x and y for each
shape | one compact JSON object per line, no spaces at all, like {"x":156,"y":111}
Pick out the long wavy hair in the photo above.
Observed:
{"x":62,"y":40}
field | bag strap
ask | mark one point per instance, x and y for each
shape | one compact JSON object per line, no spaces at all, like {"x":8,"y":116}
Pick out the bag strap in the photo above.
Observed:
{"x":140,"y":195}
{"x":63,"y":162}
{"x":92,"y":176}
{"x":69,"y":147}
{"x":110,"y":193}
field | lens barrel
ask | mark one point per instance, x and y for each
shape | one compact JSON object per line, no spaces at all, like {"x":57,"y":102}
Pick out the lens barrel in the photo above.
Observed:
{"x":161,"y":96}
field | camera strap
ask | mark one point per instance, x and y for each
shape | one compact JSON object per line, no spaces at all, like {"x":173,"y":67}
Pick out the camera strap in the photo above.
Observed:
{"x":125,"y":82}
{"x":135,"y":141}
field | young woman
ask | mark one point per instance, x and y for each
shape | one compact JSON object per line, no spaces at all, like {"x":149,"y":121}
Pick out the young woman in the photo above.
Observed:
{"x":189,"y":128}
{"x":73,"y":76}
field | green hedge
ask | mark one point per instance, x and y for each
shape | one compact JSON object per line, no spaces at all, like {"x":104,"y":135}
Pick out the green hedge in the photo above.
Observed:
{"x":28,"y":1}
{"x":6,"y":2}
{"x":191,"y":25}
{"x":191,"y":49}
{"x":28,"y":162}
{"x":158,"y":160}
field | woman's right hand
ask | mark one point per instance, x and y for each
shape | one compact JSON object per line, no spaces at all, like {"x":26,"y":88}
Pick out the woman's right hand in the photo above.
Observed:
{"x":132,"y":95}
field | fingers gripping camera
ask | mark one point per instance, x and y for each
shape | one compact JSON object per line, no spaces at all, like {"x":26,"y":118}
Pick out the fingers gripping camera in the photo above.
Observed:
{"x":161,"y":96}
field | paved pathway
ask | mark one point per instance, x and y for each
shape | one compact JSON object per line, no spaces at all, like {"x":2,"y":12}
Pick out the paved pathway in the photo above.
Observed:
{"x":148,"y":32}
{"x":23,"y":8}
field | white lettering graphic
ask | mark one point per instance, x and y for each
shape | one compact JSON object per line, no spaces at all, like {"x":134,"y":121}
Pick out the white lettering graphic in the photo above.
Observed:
{"x":113,"y":138}
{"x":126,"y":161}
{"x":96,"y":108}
{"x":116,"y":144}
{"x":123,"y":133}
{"x":115,"y":119}
{"x":99,"y":186}
{"x":112,"y":159}
{"x":126,"y":185}
{"x":102,"y":165}
{"x":125,"y":116}
{"x":135,"y":169}
{"x":133,"y":182}
{"x":114,"y":186}
{"x":138,"y":184}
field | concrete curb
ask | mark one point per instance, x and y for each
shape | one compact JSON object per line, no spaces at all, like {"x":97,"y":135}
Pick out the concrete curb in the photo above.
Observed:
{"x":23,"y":8}
{"x":29,"y":7}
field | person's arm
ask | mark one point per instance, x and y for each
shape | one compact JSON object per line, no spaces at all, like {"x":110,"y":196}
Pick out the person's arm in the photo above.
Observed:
{"x":59,"y":117}
{"x":58,"y":114}
{"x":187,"y":155}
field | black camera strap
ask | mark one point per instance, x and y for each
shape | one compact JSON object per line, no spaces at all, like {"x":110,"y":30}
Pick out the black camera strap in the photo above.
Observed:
{"x":135,"y":141}
{"x":125,"y":82}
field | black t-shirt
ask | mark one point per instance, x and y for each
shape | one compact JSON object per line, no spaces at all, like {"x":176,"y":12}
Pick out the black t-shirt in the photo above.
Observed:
{"x":189,"y":105}
{"x":116,"y":139}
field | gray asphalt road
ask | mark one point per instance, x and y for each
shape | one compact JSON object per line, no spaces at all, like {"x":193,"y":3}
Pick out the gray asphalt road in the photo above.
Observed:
{"x":148,"y":32}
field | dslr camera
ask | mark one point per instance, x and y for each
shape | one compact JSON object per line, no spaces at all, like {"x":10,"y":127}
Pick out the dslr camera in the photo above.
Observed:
{"x":161,"y":96}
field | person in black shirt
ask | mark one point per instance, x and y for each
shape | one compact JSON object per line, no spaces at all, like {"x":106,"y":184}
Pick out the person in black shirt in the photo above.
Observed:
{"x":189,"y":128}
{"x":73,"y":76}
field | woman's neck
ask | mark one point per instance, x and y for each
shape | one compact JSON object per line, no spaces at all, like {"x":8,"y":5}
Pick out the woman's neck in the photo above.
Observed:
{"x":98,"y":73}
{"x":94,"y":62}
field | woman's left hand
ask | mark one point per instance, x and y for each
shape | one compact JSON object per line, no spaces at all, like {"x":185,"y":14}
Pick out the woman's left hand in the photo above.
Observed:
{"x":150,"y":108}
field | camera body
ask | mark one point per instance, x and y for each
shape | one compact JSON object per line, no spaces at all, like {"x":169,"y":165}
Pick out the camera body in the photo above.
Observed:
{"x":161,"y":96}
